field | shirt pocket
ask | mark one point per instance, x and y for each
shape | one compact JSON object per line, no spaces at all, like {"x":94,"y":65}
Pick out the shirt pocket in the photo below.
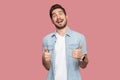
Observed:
{"x":73,"y":46}
{"x":50,"y":49}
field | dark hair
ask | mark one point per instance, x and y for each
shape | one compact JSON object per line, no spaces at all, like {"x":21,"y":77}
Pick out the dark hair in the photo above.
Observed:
{"x":55,"y":6}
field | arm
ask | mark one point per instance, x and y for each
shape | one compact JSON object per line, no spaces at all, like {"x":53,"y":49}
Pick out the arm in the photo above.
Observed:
{"x":45,"y":63}
{"x":84,"y":63}
{"x":46,"y":56}
{"x":77,"y":53}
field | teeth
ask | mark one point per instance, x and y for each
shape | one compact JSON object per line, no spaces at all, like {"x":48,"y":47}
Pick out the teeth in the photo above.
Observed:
{"x":60,"y":20}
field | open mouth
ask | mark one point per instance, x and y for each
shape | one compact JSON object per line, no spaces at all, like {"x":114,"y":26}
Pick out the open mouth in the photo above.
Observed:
{"x":59,"y":21}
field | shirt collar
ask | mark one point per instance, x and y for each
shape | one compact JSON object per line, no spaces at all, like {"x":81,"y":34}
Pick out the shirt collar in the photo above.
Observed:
{"x":68,"y":33}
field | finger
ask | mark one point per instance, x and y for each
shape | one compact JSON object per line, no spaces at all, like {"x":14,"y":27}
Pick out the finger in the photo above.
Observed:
{"x":77,"y":55}
{"x":47,"y":59}
{"x":74,"y":55}
{"x":47,"y":55}
{"x":75,"y":50}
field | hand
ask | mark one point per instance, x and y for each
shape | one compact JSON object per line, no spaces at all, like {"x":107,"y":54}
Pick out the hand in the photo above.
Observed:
{"x":47,"y":55}
{"x":77,"y":53}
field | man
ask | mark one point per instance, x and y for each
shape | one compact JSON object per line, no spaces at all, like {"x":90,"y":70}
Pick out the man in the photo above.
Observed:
{"x":64,"y":51}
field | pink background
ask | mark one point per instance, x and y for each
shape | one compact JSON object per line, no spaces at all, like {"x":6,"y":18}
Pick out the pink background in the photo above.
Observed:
{"x":23,"y":24}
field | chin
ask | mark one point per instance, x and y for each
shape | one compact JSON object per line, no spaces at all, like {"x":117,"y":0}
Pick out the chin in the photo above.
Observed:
{"x":60,"y":27}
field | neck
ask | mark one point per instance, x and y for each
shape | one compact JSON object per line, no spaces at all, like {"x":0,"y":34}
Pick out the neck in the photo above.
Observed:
{"x":62,"y":32}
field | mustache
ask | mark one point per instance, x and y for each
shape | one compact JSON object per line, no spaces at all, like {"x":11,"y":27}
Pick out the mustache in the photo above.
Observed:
{"x":59,"y":20}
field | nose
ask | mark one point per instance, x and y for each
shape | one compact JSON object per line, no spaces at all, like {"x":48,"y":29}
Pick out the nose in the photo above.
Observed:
{"x":58,"y":16}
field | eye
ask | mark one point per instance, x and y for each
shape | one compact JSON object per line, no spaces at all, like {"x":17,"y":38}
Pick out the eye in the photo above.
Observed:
{"x":54,"y":15}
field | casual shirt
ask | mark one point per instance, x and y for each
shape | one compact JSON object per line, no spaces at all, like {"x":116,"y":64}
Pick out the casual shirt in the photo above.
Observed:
{"x":73,"y":40}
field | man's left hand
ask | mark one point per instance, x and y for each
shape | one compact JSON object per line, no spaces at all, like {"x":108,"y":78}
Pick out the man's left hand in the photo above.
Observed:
{"x":77,"y":53}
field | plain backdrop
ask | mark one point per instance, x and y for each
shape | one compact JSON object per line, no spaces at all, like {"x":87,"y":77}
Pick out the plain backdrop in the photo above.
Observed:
{"x":24,"y":23}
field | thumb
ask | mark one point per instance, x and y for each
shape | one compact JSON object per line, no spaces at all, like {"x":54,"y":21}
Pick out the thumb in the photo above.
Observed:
{"x":45,"y":50}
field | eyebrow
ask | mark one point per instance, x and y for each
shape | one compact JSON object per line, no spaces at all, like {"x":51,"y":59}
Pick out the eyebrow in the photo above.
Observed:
{"x":58,"y":11}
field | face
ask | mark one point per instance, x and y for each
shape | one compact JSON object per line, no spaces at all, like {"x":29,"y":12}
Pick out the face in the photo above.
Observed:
{"x":59,"y":19}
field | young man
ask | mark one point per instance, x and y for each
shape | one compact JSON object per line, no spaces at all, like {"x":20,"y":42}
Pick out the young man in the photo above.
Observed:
{"x":64,"y":51}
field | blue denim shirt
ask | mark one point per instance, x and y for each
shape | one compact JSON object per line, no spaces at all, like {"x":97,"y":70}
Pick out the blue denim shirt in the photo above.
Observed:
{"x":73,"y":40}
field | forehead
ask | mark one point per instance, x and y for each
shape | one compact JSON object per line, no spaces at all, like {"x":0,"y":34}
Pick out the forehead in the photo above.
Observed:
{"x":57,"y":11}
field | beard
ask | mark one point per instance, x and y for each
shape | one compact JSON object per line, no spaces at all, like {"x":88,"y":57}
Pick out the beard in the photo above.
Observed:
{"x":61,"y":27}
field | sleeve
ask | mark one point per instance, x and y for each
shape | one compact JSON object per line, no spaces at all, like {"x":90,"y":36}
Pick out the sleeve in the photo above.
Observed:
{"x":44,"y":44}
{"x":84,"y":46}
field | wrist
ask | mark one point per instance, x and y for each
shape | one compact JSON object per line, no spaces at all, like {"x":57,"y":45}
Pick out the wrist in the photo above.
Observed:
{"x":82,"y":58}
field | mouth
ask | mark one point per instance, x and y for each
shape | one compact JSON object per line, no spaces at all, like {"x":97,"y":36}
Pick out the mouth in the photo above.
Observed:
{"x":59,"y":21}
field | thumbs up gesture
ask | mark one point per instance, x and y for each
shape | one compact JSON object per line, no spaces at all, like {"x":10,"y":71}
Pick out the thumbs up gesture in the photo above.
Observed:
{"x":47,"y":55}
{"x":77,"y":53}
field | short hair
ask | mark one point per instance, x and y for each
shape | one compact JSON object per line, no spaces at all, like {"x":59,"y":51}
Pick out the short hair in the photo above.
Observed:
{"x":55,"y":6}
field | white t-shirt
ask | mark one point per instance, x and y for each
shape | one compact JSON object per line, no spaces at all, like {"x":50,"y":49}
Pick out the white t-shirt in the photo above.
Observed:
{"x":60,"y":61}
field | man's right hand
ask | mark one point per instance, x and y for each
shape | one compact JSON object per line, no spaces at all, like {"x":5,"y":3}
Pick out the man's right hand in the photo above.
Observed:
{"x":47,"y":55}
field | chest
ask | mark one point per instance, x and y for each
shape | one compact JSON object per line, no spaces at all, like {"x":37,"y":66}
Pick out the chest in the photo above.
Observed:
{"x":68,"y":42}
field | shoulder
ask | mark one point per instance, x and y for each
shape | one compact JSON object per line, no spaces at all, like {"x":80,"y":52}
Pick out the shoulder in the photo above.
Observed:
{"x":48,"y":36}
{"x":77,"y":34}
